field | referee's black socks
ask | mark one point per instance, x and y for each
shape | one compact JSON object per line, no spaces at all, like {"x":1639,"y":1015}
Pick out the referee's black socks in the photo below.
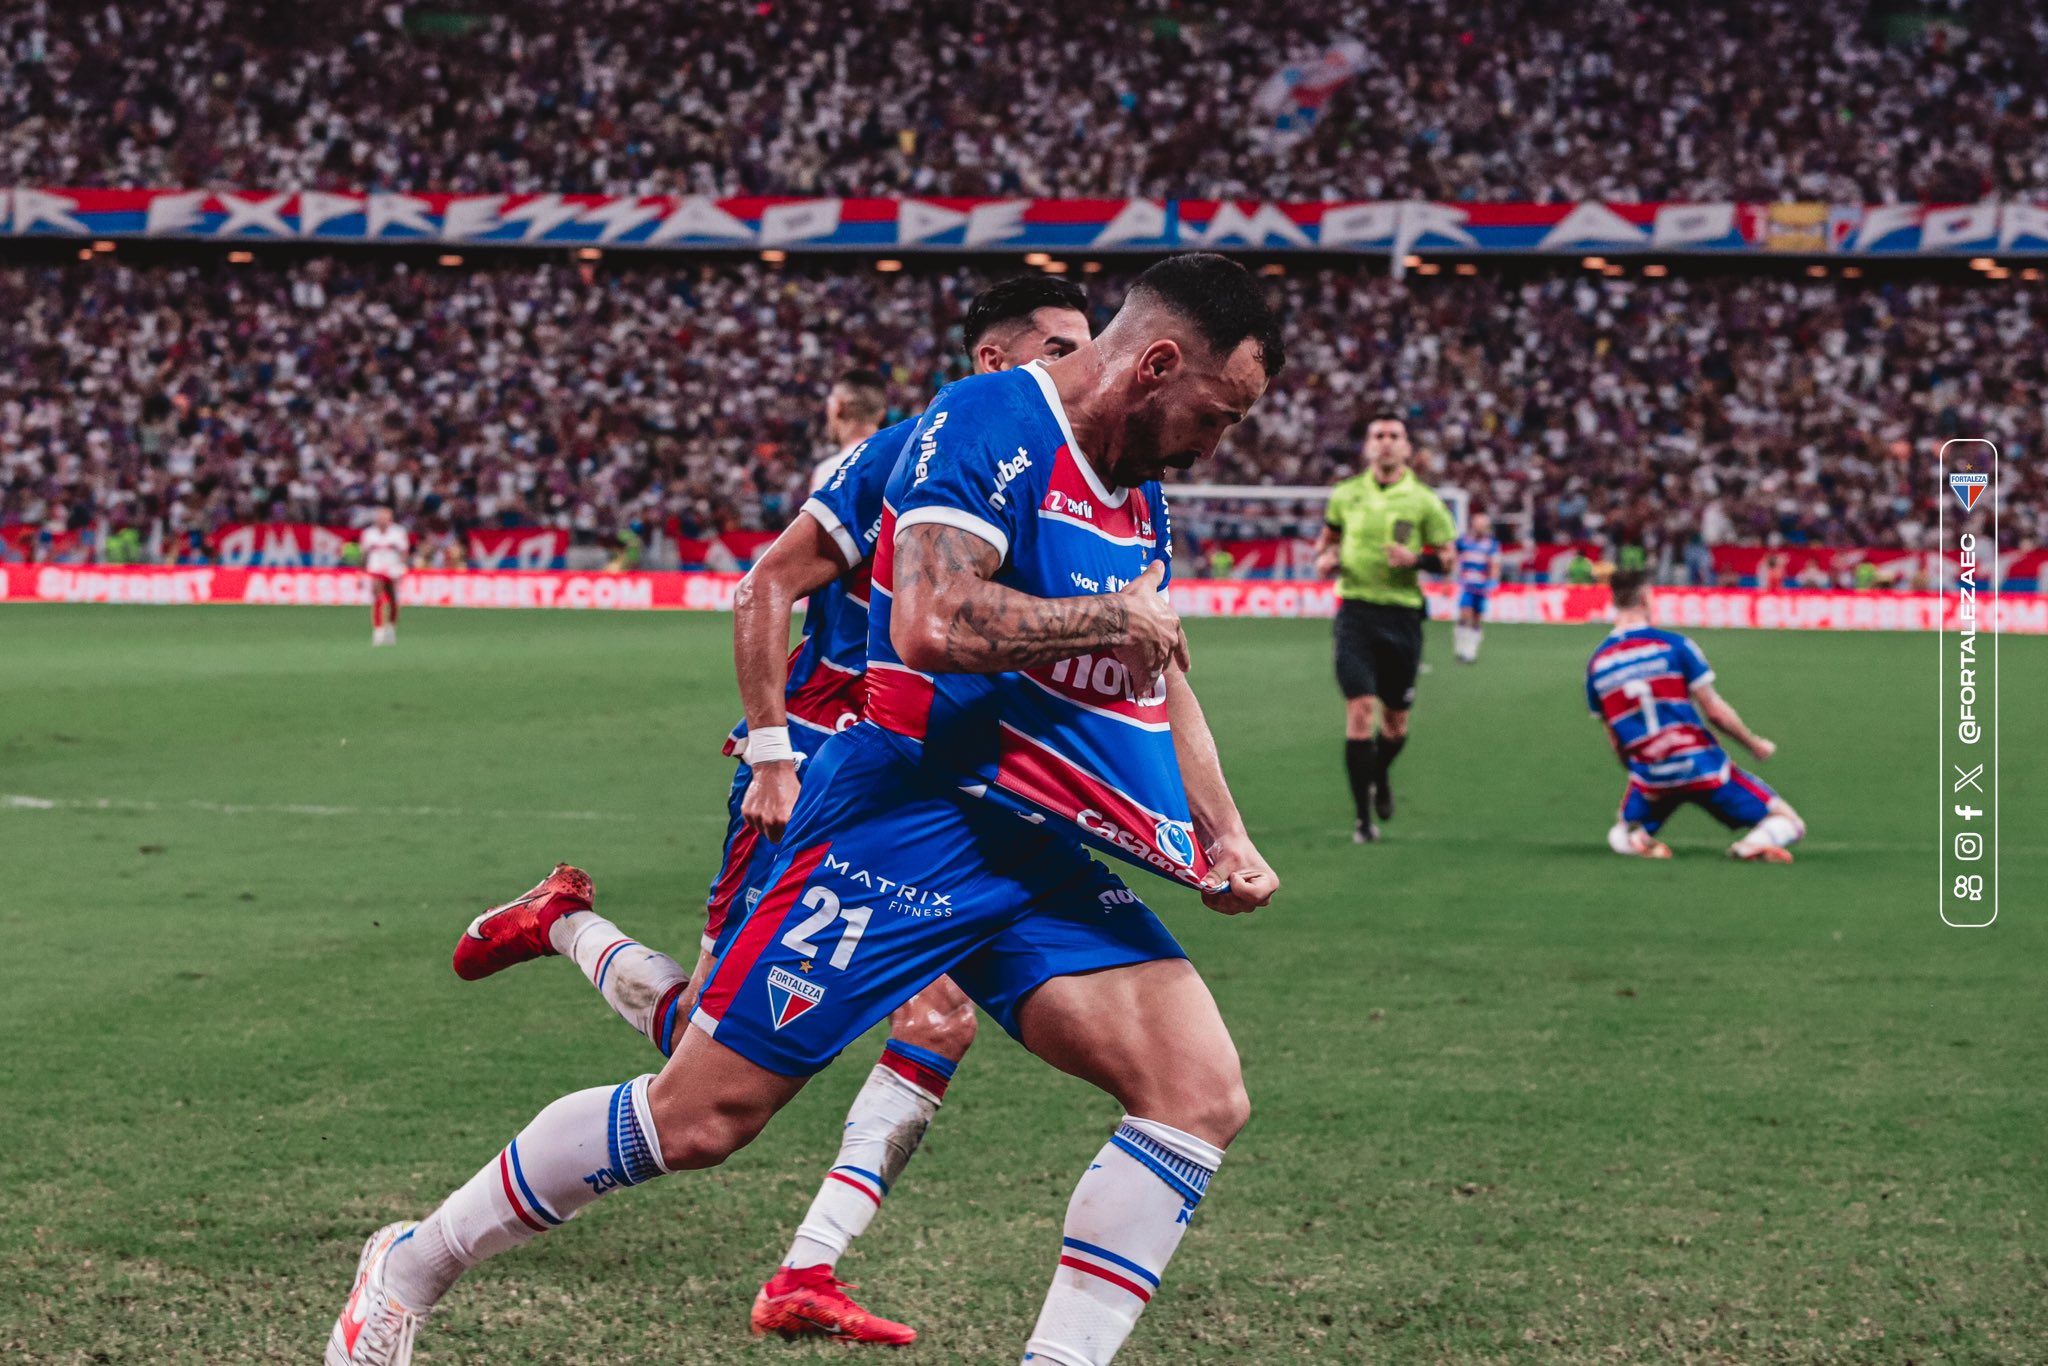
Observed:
{"x":1383,"y":795}
{"x":1362,"y":763}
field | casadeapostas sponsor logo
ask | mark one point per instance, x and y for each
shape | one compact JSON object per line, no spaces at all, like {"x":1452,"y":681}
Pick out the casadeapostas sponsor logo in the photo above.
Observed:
{"x":1103,"y":828}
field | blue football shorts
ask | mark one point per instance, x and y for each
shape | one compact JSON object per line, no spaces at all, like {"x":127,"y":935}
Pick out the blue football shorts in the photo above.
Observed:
{"x":1472,"y":600}
{"x":885,"y":880}
{"x":1738,"y":801}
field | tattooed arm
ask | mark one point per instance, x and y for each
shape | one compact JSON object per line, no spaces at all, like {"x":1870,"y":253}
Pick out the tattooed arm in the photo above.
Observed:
{"x":949,"y":618}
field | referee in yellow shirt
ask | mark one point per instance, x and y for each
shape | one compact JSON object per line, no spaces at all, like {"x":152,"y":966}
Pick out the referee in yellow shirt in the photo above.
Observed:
{"x":1383,"y":528}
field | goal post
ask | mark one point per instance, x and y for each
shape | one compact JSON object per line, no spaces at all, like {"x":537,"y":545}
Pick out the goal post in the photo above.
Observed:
{"x":1268,"y":530}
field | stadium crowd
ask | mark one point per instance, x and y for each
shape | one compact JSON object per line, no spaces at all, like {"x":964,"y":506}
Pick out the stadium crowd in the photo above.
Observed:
{"x":1724,"y":99}
{"x":174,"y":399}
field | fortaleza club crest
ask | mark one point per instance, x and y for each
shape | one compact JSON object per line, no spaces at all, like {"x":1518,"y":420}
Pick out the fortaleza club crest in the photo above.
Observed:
{"x":790,"y":995}
{"x":1176,"y":843}
{"x":1968,"y":486}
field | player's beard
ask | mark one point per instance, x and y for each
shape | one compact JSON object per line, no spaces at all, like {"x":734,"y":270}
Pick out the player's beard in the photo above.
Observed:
{"x":1144,"y":455}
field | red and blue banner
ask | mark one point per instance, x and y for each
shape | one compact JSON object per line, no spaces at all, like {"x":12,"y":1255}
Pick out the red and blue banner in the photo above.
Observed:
{"x":518,"y":548}
{"x":1095,"y":226}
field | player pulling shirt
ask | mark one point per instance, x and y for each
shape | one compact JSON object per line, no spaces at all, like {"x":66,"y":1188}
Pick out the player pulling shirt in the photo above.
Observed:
{"x":885,"y":862}
{"x":1079,"y":740}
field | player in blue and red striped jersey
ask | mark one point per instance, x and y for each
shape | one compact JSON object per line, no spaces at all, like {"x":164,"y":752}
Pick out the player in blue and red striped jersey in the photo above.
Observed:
{"x":1476,"y":570}
{"x":891,"y":871}
{"x":793,"y":702}
{"x":1655,"y":693}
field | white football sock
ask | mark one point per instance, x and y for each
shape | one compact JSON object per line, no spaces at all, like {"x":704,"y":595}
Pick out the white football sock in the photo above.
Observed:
{"x":1473,"y":635}
{"x":1621,"y":839}
{"x":642,"y":984}
{"x":1459,"y":635}
{"x":1124,"y":1222}
{"x":577,"y":1149}
{"x":1775,"y":829}
{"x":883,"y":1129}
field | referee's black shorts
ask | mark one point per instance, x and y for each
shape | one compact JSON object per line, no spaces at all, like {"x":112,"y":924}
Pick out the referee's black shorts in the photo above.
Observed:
{"x":1379,"y":650}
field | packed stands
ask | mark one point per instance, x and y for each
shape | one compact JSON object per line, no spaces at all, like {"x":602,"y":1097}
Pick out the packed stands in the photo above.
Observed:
{"x":688,"y":398}
{"x":1726,"y":99}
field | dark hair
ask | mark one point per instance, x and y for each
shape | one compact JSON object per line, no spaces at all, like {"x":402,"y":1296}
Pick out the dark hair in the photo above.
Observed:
{"x":1014,"y":301}
{"x":1627,"y":586}
{"x":1386,"y":415}
{"x":868,"y":388}
{"x":1221,"y":298}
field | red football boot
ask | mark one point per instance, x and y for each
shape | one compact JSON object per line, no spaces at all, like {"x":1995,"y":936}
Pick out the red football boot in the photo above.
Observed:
{"x":810,"y":1300}
{"x":518,"y":930}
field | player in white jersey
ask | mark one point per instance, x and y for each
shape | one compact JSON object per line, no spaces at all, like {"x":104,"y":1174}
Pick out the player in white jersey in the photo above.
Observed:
{"x":387,"y":551}
{"x":855,"y":410}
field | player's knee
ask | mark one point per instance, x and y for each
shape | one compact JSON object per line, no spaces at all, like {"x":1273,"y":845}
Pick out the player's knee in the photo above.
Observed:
{"x":1220,"y":1115}
{"x":1358,"y":718}
{"x":696,"y":1131}
{"x":1209,"y":1102}
{"x":692,"y":1143}
{"x":1394,"y":724}
{"x":945,"y":1028}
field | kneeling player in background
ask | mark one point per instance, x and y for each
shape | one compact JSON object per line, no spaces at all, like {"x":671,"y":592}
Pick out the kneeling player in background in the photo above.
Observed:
{"x":793,"y":702}
{"x":1651,"y":687}
{"x":1478,"y":573}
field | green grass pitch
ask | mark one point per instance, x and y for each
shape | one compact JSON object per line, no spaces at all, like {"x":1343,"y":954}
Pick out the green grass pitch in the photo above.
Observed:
{"x":1515,"y":1099}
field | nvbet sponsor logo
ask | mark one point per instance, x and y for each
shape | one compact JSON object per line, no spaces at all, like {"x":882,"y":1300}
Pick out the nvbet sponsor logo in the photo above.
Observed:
{"x":1968,"y":486}
{"x":790,"y":996}
{"x":1007,"y":470}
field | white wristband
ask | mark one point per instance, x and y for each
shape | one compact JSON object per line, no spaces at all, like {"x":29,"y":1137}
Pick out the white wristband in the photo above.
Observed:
{"x":768,"y":745}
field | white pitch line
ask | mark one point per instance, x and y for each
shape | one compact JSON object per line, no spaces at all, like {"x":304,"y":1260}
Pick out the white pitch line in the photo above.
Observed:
{"x":14,"y":801}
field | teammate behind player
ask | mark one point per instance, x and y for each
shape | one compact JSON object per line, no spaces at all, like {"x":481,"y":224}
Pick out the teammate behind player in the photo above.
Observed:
{"x":855,"y":407}
{"x":1652,"y":688}
{"x":1478,"y":574}
{"x":1018,"y":490}
{"x":1382,"y":527}
{"x":792,"y":703}
{"x":387,"y":549}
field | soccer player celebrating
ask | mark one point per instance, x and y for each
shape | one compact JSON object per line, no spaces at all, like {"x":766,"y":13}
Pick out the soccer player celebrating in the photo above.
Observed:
{"x":1651,"y":688}
{"x":854,"y":409}
{"x":387,"y":549}
{"x":1478,"y":573}
{"x":1023,"y":528}
{"x":1382,"y":528}
{"x":793,"y":703}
